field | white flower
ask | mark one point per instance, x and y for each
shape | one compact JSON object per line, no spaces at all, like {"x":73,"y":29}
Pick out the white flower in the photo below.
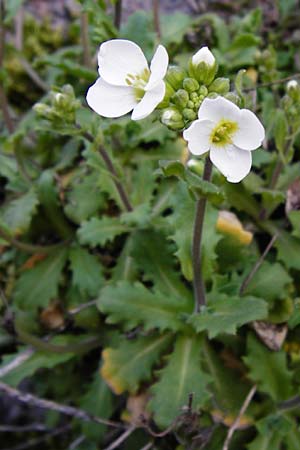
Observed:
{"x":228,"y":133}
{"x":203,"y":55}
{"x":125,"y":82}
{"x":292,"y":84}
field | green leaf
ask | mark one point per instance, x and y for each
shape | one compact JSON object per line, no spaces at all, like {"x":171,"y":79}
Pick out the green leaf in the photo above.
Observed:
{"x":125,"y":367}
{"x":86,"y":271}
{"x":18,"y":213}
{"x":152,"y":254}
{"x":126,"y":268}
{"x":288,"y":249}
{"x":38,"y":360}
{"x":174,"y":27}
{"x":241,"y":199}
{"x":228,"y":388}
{"x":294,"y":217}
{"x":180,"y":377}
{"x":268,"y":369}
{"x":200,"y":187}
{"x":37,"y":286}
{"x":97,"y":400}
{"x":172,"y":168}
{"x":269,"y":282}
{"x":139,"y":29}
{"x":100,"y":231}
{"x":272,"y":431}
{"x":238,"y":82}
{"x":133,"y":305}
{"x":226,"y":314}
{"x":83,"y":199}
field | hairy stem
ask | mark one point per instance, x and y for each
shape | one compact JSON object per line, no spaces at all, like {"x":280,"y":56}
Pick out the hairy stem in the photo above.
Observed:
{"x":118,"y":14}
{"x":84,"y":22}
{"x":155,"y":4}
{"x":199,"y":288}
{"x":271,"y":83}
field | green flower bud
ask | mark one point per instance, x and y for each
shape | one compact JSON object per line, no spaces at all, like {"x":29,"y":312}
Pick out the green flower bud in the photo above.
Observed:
{"x":293,"y":90}
{"x":172,"y":118}
{"x":190,"y":84}
{"x":168,"y":94}
{"x":220,"y":86}
{"x":203,"y":72}
{"x":190,"y":104}
{"x":196,"y":166}
{"x":233,"y":98}
{"x":180,"y":98}
{"x":194,"y":96}
{"x":203,"y":91}
{"x":42,"y":110}
{"x":189,"y":114}
{"x":175,"y":76}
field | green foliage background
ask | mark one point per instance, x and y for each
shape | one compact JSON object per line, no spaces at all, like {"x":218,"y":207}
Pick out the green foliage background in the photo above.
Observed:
{"x":102,"y":296}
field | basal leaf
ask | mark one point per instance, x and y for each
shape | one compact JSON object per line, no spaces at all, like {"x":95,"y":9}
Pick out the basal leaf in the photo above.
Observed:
{"x":86,"y":271}
{"x":269,"y":282}
{"x":84,"y":198}
{"x":39,"y":360}
{"x":226,"y":314}
{"x":18,"y":213}
{"x":36,"y":286}
{"x":99,"y":231}
{"x":268,"y":369}
{"x":288,"y":250}
{"x":152,"y":254}
{"x":126,"y":366}
{"x":181,"y":376}
{"x":133,"y":305}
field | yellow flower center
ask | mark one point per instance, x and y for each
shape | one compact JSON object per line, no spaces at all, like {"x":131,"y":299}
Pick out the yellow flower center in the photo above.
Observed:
{"x":222,"y":134}
{"x":138,"y":82}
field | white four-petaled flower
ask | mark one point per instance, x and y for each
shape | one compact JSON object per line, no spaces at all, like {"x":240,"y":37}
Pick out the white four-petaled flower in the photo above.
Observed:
{"x":228,"y":133}
{"x":126,"y":83}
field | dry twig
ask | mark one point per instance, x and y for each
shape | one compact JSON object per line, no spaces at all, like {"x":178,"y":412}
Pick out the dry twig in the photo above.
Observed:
{"x":238,"y":418}
{"x":77,"y":413}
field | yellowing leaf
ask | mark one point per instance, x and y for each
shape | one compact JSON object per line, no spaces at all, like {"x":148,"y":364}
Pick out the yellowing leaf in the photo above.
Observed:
{"x":126,"y":366}
{"x":228,"y":223}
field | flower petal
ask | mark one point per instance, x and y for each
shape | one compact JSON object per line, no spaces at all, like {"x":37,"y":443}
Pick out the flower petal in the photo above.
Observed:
{"x":233,"y":162}
{"x":251,"y":133}
{"x":110,"y":101}
{"x":149,"y":102}
{"x":219,"y":108}
{"x":203,"y":55}
{"x":117,"y":58}
{"x":158,"y":67}
{"x":198,"y":135}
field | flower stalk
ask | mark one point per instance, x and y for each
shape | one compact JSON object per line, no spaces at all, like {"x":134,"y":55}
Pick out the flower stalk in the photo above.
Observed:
{"x":199,"y":288}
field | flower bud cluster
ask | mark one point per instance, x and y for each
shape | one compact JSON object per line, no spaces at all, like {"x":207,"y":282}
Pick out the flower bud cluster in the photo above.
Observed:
{"x":186,"y":90}
{"x":62,"y":108}
{"x":291,"y":104}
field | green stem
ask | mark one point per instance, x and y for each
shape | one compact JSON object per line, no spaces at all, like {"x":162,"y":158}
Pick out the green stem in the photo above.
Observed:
{"x":199,"y":288}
